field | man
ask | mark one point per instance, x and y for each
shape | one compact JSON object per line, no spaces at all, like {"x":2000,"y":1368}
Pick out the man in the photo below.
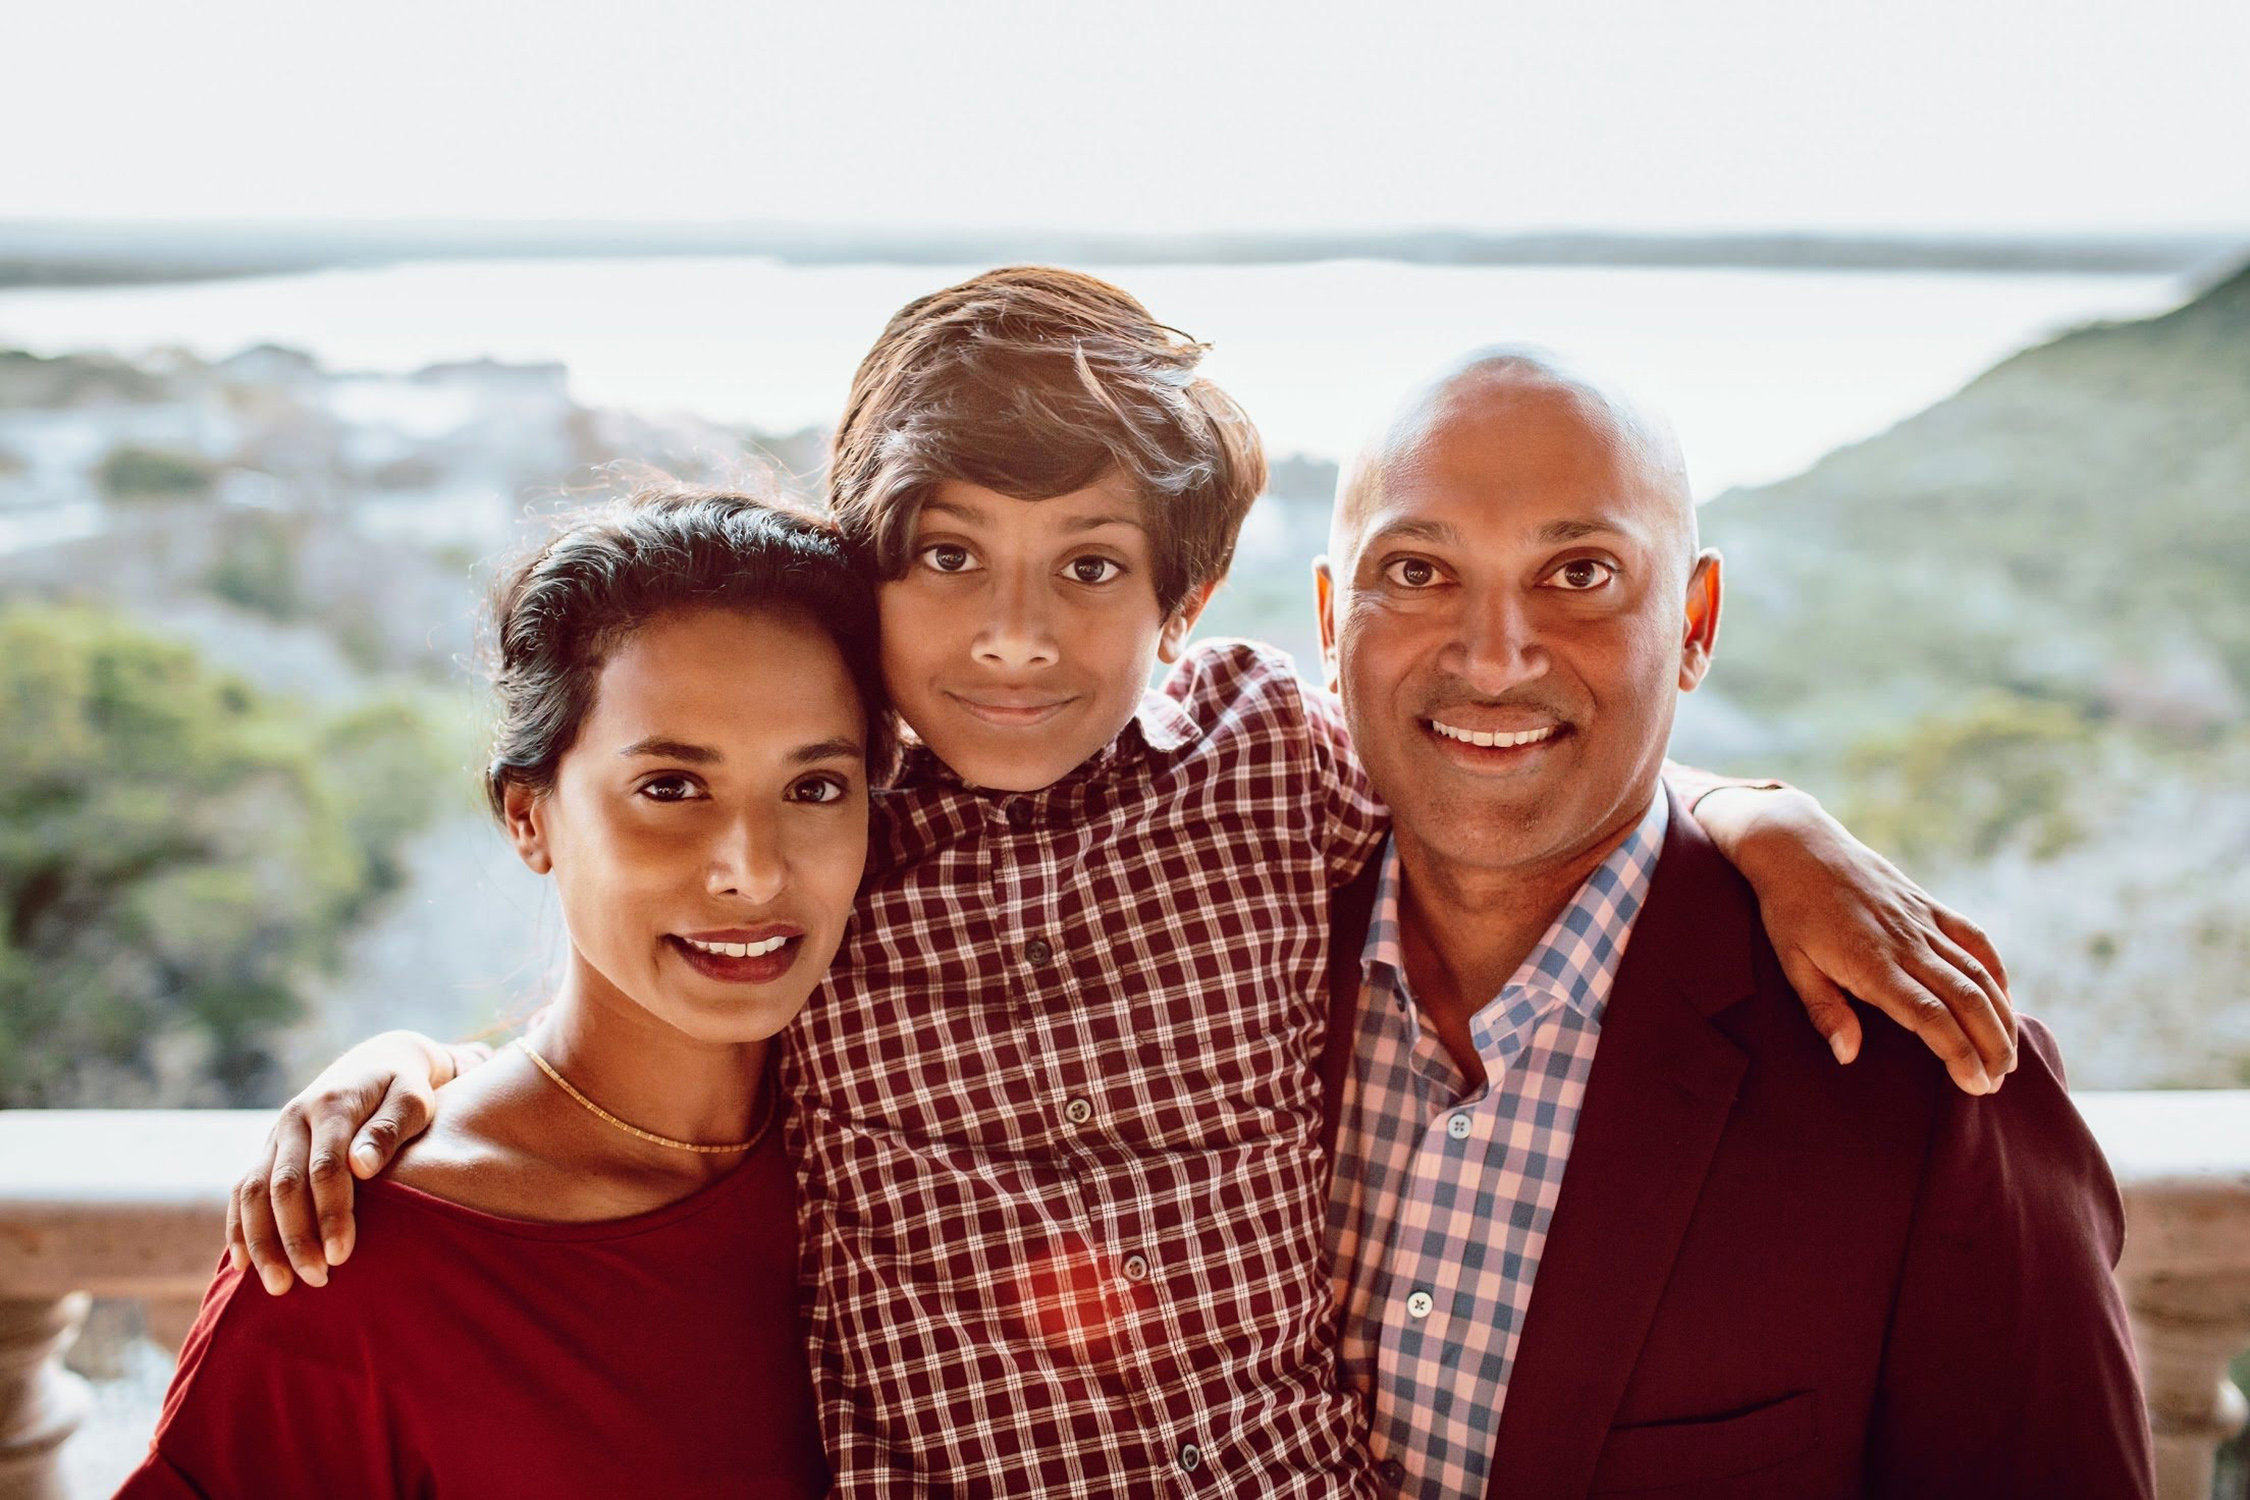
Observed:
{"x":1606,"y":1217}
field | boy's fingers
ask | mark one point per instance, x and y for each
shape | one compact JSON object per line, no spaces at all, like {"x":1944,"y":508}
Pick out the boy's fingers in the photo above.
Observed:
{"x":331,"y":1175}
{"x":289,"y":1190}
{"x":1906,"y":1000}
{"x":1972,"y":940}
{"x":1977,"y":1001}
{"x":1828,"y":1007}
{"x":405,"y":1113}
{"x":261,"y":1242}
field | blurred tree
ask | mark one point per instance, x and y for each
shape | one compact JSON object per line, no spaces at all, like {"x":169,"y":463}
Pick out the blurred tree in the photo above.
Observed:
{"x":131,"y":472}
{"x":178,"y":853}
{"x":1963,"y":785}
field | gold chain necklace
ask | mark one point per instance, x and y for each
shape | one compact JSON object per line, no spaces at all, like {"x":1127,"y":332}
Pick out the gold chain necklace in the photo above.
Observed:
{"x":764,"y":1124}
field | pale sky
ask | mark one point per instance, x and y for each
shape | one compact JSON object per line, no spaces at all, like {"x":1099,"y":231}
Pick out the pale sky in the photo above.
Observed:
{"x":1153,"y":114}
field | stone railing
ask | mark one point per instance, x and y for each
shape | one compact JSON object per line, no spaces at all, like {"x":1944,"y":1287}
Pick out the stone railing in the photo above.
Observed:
{"x":124,"y":1203}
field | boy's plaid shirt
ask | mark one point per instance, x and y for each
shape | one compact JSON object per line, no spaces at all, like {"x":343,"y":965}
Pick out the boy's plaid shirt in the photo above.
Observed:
{"x":1059,"y":1114}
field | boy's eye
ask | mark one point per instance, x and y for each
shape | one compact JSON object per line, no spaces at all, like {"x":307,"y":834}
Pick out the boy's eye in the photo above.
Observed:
{"x":947,"y":557}
{"x":670,"y":789}
{"x":1094,"y":569}
{"x":1411,"y":572}
{"x":818,"y":789}
{"x":1582,"y":575}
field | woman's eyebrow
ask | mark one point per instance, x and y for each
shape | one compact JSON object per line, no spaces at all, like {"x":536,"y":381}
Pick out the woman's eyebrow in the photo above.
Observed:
{"x":694,"y":755}
{"x":839,"y":748}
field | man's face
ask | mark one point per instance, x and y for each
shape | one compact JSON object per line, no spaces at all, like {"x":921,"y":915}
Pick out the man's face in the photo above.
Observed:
{"x":1513,"y":617}
{"x":1022,"y":636}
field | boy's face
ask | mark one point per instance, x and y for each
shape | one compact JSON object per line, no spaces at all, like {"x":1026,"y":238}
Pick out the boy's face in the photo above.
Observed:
{"x":1024,"y":632}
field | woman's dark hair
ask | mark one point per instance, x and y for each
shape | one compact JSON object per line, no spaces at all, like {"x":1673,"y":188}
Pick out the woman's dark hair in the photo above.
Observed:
{"x":558,"y":614}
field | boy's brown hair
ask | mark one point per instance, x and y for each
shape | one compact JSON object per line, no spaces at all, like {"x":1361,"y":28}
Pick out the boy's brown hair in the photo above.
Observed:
{"x":1035,"y":382}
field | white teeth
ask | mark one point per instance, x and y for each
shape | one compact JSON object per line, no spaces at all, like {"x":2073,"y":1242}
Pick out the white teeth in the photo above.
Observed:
{"x":738,"y":950}
{"x":1491,"y":737}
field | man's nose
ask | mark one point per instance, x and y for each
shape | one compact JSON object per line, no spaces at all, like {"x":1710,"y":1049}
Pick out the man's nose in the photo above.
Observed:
{"x":1496,"y":644}
{"x":748,"y":860}
{"x":1017,"y":632}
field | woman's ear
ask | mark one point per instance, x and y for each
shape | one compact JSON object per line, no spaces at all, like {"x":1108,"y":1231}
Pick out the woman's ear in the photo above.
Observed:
{"x":524,"y":812}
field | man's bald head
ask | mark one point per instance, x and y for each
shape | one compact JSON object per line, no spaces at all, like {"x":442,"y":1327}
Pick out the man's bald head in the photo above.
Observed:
{"x":1524,"y":386}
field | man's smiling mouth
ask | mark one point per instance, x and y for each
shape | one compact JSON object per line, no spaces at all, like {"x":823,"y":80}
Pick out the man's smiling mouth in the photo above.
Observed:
{"x":1497,"y":738}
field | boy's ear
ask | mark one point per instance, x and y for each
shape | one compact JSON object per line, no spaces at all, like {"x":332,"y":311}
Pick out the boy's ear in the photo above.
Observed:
{"x":1173,"y":641}
{"x":1701,"y":635}
{"x":524,"y":811}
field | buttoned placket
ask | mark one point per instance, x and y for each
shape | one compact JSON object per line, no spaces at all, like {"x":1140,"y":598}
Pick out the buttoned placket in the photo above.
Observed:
{"x":1046,"y":980}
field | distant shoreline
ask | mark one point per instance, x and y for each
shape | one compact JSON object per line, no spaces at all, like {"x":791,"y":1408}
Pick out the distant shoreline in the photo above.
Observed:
{"x":57,"y":254}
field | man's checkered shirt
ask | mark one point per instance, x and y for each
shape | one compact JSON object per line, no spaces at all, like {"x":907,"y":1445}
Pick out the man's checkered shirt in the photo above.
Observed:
{"x":1445,"y":1185}
{"x":1059,"y":1114}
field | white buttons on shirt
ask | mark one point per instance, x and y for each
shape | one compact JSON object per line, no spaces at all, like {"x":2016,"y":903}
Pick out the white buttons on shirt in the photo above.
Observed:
{"x":1078,"y":1111}
{"x":1191,"y":1457}
{"x":1136,"y":1268}
{"x":1458,"y":1126}
{"x":1419,"y":1305}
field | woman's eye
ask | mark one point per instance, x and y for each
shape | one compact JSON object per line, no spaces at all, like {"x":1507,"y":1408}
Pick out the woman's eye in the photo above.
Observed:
{"x":1581,"y":575}
{"x":1094,"y":569}
{"x":668,"y":789}
{"x":817,"y":789}
{"x":1411,"y":572}
{"x":946,"y":557}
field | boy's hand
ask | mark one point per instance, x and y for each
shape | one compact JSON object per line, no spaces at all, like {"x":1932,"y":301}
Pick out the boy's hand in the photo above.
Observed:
{"x":292,"y":1212}
{"x":1846,"y":921}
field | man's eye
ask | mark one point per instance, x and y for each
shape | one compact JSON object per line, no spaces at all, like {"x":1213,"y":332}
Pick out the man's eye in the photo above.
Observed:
{"x":1581,"y":575}
{"x":1411,"y":572}
{"x":946,"y":557}
{"x":1094,"y":569}
{"x":669,"y":789}
{"x":818,"y":789}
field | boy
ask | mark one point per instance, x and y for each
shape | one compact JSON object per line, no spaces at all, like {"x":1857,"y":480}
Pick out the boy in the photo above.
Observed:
{"x":1057,"y":1106}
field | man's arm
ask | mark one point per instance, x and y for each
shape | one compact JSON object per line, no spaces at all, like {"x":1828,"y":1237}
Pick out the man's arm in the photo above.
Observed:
{"x":291,"y":1213}
{"x":1847,"y":923}
{"x":2009,"y":1366}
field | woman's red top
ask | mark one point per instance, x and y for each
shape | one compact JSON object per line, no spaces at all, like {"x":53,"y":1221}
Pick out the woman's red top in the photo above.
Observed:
{"x":461,"y":1354}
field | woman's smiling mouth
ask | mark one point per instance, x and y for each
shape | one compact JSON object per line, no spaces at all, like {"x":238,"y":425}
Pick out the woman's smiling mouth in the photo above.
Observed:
{"x":747,"y":956}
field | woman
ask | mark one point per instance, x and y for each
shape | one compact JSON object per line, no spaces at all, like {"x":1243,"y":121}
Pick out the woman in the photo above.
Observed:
{"x":589,"y":1263}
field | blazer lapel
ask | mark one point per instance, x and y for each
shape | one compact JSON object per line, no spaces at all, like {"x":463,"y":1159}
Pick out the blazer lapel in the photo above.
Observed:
{"x":1657,"y":1100}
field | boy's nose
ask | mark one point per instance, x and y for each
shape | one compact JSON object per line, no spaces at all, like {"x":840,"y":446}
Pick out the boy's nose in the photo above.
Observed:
{"x":1017,"y":634}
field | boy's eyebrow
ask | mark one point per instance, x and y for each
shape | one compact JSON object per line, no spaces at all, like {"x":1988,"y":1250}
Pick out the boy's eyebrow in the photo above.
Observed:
{"x":1095,"y":523}
{"x":975,"y":517}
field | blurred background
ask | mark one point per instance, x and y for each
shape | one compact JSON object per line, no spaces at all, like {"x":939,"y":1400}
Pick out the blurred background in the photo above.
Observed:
{"x":307,"y":314}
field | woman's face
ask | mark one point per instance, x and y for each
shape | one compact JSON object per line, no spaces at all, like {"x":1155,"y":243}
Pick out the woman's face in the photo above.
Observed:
{"x":707,"y":829}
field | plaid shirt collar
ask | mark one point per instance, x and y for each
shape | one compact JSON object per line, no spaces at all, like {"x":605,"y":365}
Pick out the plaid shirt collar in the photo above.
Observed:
{"x":1160,"y":727}
{"x":1565,"y":966}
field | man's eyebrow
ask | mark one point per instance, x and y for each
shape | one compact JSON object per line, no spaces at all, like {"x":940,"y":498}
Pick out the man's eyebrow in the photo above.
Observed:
{"x":1555,"y":533}
{"x":658,"y":746}
{"x":1410,"y":530}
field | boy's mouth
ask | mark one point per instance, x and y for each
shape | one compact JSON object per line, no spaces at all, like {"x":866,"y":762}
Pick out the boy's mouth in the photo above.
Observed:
{"x":1011,"y":710}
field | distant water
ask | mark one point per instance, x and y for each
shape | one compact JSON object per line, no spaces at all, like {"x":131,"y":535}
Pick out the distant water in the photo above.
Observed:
{"x":1764,"y":371}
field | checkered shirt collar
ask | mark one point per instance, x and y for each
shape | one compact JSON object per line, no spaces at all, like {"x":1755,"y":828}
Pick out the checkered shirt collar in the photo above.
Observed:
{"x":1563,"y":966}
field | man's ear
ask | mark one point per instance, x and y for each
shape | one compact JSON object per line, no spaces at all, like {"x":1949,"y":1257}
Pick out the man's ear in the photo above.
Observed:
{"x":1173,"y":641}
{"x":1324,"y":600}
{"x":1701,"y":635}
{"x":524,"y":812}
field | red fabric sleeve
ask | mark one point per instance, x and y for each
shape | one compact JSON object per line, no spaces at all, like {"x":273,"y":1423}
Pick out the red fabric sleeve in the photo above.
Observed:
{"x":274,"y":1396}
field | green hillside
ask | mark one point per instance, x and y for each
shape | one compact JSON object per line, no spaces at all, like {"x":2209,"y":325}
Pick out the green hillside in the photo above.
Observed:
{"x":2073,"y":527}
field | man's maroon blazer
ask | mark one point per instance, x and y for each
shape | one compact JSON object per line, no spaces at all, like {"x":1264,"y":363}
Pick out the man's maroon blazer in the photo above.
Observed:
{"x":1771,"y":1276}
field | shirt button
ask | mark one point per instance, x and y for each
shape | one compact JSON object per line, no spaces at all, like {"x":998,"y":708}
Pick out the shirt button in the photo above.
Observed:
{"x":1191,"y":1457}
{"x":1038,"y":952}
{"x":1458,"y":1127}
{"x":1078,"y":1111}
{"x":1419,"y":1305}
{"x":1136,"y":1268}
{"x":1393,"y":1472}
{"x":1019,"y":815}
